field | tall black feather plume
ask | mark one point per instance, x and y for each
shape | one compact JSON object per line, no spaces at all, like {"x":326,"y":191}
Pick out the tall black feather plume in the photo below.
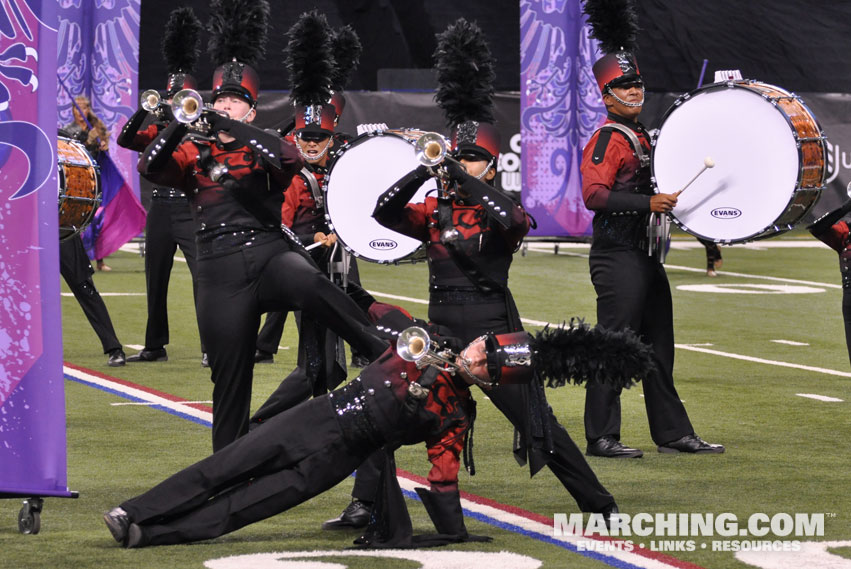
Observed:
{"x":577,"y":353}
{"x":181,"y":44}
{"x":465,"y":74}
{"x":346,"y":48}
{"x":309,"y":59}
{"x":614,"y":23}
{"x":238,"y":30}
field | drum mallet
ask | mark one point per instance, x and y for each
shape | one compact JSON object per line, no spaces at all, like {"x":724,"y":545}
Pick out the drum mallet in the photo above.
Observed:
{"x":708,"y":162}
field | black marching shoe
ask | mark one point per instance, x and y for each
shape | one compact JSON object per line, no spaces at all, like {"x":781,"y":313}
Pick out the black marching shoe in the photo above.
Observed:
{"x":608,"y":446}
{"x":693,"y":444}
{"x":118,"y":523}
{"x":116,"y":358}
{"x":205,"y":360}
{"x":607,"y":513}
{"x":263,"y":357}
{"x":146,"y":355}
{"x":356,"y":515}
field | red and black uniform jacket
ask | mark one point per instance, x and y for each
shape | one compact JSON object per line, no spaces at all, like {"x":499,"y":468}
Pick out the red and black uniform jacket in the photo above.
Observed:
{"x":617,"y":187}
{"x":139,"y":131}
{"x":490,"y":226}
{"x":231,"y":186}
{"x":838,"y":238}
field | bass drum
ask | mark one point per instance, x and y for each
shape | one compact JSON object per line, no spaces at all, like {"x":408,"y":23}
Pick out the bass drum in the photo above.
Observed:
{"x":362,"y":170}
{"x":769,"y":154}
{"x":79,"y":187}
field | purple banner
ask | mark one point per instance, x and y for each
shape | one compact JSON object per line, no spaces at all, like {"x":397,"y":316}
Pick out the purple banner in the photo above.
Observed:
{"x":99,"y":57}
{"x":32,"y":396}
{"x":560,"y":109}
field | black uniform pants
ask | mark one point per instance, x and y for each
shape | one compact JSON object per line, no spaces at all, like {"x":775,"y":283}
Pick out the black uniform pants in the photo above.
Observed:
{"x":169,"y":226}
{"x":234,"y":290}
{"x":633,"y":292}
{"x":295,"y":456}
{"x":77,"y":271}
{"x":273,"y":327}
{"x":468,"y":322}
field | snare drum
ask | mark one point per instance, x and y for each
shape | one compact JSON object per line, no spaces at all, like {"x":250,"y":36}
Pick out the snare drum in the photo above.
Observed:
{"x":362,"y":170}
{"x":79,"y":187}
{"x":769,"y":154}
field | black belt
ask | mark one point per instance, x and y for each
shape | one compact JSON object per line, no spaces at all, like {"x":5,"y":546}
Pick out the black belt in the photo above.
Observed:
{"x":167,"y":194}
{"x":211,"y":246}
{"x":463,"y":295}
{"x":350,"y":407}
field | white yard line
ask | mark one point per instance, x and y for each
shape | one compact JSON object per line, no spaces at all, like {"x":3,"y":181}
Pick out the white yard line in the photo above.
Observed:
{"x":820,"y":397}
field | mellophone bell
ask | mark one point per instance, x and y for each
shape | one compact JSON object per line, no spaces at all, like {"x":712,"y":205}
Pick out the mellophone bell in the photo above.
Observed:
{"x":759,"y":153}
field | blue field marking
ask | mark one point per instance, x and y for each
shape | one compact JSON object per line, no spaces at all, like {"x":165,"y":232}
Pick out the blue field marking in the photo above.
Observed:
{"x":123,"y":395}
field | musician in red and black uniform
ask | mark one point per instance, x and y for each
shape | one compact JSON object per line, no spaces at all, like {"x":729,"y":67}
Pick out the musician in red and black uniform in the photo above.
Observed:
{"x":833,"y":230}
{"x":632,"y":287}
{"x":321,"y":355}
{"x":471,"y":234}
{"x":169,"y":223}
{"x":310,"y":448}
{"x":248,"y":263}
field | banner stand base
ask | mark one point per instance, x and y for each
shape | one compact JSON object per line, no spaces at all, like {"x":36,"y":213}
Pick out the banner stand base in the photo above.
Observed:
{"x":29,"y":517}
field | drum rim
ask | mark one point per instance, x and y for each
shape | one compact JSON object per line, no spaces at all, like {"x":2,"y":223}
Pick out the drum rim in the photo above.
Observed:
{"x":412,"y":257}
{"x":744,"y":84}
{"x":74,"y":230}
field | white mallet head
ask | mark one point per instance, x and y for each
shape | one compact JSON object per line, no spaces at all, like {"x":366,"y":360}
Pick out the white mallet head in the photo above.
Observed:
{"x":709,"y":162}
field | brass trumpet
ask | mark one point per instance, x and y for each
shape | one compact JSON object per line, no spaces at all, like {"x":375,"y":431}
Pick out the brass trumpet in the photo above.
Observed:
{"x":151,"y":100}
{"x":431,"y":149}
{"x":415,"y":345}
{"x":187,"y":106}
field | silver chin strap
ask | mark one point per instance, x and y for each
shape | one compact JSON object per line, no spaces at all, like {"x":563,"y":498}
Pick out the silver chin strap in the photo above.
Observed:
{"x":624,"y":103}
{"x":318,"y":156}
{"x":485,"y":171}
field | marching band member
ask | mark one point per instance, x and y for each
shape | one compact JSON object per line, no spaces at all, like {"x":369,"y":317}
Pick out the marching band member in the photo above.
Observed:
{"x":247,"y":262}
{"x":169,"y":223}
{"x":632,"y":287}
{"x":471,"y":234}
{"x":314,"y":446}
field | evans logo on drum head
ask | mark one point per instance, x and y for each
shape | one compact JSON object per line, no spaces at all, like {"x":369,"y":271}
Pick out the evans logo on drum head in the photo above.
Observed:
{"x":725,"y":213}
{"x":383,"y":244}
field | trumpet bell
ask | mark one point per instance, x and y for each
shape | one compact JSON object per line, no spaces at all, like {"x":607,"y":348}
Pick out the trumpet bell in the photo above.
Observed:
{"x":187,"y":106}
{"x":430,"y":149}
{"x":413,"y":343}
{"x":150,"y":100}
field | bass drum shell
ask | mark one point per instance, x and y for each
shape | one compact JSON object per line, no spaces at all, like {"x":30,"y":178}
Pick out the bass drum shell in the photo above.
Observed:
{"x":769,"y":154}
{"x":79,"y":187}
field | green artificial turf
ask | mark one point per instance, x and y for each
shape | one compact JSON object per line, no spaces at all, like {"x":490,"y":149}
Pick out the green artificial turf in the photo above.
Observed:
{"x":784,"y":453}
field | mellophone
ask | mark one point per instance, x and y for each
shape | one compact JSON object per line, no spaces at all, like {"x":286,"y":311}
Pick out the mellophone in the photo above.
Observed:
{"x":768,"y":153}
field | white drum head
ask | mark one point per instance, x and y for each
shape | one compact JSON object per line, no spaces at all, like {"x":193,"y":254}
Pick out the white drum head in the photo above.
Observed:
{"x":363,"y":170}
{"x":756,"y":163}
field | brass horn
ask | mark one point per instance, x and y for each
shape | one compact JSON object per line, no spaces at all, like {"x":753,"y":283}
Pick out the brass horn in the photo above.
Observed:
{"x":187,"y":106}
{"x":150,"y":100}
{"x":431,"y":149}
{"x":414,"y":345}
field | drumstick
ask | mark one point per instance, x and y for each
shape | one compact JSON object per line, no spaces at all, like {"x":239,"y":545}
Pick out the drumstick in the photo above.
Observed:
{"x":708,"y":162}
{"x":313,"y":246}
